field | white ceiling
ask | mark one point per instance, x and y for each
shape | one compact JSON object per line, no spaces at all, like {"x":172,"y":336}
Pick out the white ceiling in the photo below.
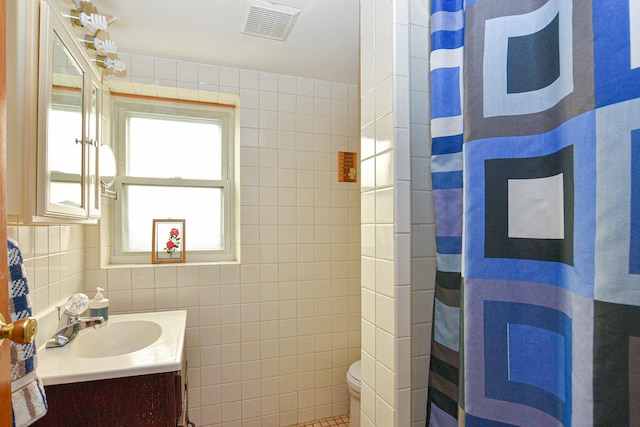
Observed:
{"x":323,"y":44}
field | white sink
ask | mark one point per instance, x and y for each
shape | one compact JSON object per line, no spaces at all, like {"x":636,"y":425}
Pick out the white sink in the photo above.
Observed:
{"x":128,"y":345}
{"x":116,"y":338}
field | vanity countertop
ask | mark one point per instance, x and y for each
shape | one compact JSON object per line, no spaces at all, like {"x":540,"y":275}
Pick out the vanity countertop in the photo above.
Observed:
{"x":67,"y":364}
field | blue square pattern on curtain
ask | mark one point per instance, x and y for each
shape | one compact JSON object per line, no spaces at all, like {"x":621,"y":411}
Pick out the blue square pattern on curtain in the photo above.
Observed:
{"x":446,"y":66}
{"x":549,"y":189}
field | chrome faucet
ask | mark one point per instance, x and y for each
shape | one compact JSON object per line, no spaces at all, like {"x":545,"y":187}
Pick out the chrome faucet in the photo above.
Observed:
{"x":71,"y":323}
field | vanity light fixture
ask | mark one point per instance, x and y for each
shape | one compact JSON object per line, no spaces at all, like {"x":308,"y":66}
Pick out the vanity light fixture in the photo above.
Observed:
{"x":84,"y":16}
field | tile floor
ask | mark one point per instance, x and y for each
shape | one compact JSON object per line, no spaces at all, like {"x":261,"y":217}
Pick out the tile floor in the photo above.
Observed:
{"x":339,"y":421}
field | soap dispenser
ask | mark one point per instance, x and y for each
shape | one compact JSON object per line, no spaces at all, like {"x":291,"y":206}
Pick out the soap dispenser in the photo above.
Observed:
{"x":99,"y":305}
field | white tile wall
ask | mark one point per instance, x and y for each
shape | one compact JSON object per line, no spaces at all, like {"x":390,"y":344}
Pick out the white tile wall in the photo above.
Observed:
{"x":269,"y":339}
{"x":398,"y":244}
{"x":423,"y":228}
{"x":53,"y":259}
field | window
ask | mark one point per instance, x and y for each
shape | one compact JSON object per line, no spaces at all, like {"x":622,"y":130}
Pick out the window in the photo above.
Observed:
{"x":175,"y":161}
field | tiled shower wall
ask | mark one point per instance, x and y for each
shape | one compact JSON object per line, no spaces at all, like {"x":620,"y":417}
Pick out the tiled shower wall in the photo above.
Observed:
{"x":398,"y":243}
{"x":385,"y":221}
{"x":423,"y":262}
{"x":269,"y":339}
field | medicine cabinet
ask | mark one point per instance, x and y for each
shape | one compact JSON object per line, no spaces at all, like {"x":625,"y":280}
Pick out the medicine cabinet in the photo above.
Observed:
{"x":69,"y":124}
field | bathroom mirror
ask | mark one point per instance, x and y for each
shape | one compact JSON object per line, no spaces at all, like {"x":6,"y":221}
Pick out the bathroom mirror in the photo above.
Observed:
{"x":65,"y":127}
{"x":107,"y":166}
{"x":69,"y":123}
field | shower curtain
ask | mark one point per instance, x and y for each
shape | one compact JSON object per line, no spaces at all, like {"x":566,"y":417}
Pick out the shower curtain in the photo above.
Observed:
{"x":537,"y":303}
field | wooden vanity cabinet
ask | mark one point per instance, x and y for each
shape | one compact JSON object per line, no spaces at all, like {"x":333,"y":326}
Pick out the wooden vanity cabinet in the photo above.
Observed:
{"x":146,"y":400}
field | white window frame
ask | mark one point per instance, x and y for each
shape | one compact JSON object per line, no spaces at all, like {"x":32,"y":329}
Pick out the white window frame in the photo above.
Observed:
{"x":123,"y":105}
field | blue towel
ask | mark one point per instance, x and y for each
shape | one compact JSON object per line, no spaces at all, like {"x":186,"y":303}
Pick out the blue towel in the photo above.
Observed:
{"x":27,"y":392}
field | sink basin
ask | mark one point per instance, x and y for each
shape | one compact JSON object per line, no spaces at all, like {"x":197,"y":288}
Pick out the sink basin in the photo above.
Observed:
{"x":116,"y":338}
{"x":128,"y":345}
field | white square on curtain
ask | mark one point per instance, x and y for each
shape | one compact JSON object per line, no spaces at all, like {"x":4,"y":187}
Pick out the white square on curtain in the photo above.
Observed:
{"x":634,"y":32}
{"x":536,"y":208}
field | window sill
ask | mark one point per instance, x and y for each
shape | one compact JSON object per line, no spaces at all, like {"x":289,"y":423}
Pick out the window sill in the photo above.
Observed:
{"x":177,"y":264}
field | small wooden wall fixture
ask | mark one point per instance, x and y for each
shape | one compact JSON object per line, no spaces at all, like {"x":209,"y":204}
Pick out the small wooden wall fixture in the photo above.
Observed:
{"x":347,"y":166}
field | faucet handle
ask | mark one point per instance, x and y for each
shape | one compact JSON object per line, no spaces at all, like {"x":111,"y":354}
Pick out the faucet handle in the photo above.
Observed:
{"x":77,"y":304}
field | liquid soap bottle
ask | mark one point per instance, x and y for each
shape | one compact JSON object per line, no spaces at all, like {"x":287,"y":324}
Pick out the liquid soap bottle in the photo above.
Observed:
{"x":99,"y":305}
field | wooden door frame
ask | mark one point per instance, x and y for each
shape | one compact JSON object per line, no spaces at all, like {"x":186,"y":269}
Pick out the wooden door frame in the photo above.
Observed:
{"x":5,"y":357}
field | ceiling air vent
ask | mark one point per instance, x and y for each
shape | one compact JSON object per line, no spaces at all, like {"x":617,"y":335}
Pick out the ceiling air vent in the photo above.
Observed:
{"x":273,"y":21}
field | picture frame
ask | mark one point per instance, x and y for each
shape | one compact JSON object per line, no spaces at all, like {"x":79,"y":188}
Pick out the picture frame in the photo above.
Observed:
{"x":168,"y":241}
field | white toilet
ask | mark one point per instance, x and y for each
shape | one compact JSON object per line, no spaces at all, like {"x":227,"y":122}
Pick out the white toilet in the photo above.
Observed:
{"x":353,"y":383}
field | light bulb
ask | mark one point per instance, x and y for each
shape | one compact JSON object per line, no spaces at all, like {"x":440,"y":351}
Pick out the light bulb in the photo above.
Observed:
{"x":104,"y":46}
{"x":92,"y":22}
{"x":108,"y":46}
{"x":114,"y":64}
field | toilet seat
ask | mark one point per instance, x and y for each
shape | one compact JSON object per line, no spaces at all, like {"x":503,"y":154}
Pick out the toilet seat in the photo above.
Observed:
{"x":354,"y":378}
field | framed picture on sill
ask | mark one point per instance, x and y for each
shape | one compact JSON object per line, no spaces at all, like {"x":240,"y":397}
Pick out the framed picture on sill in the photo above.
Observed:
{"x":168,"y":241}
